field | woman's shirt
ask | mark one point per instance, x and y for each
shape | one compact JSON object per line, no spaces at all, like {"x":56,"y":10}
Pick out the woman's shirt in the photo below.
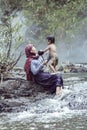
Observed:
{"x":36,"y":65}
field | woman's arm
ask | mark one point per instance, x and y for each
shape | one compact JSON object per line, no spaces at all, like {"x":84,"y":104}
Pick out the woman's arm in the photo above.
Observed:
{"x":36,"y":65}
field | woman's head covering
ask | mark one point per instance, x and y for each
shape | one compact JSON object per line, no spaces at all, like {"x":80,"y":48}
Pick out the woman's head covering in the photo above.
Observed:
{"x":27,"y":66}
{"x":28,"y":49}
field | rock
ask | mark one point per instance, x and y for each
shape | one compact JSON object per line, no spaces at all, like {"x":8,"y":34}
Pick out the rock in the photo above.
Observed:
{"x":60,"y":68}
{"x":4,"y":107}
{"x":12,"y":90}
{"x":78,"y":105}
{"x":75,"y":101}
{"x":72,"y":68}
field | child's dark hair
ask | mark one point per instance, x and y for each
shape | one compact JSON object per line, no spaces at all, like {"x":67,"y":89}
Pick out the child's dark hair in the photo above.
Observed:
{"x":51,"y":38}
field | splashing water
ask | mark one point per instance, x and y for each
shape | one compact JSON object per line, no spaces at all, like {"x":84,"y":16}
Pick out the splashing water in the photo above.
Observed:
{"x":56,"y":112}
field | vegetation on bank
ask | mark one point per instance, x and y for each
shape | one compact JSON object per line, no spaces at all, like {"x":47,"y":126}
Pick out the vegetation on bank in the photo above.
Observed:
{"x":49,"y":14}
{"x":57,"y":16}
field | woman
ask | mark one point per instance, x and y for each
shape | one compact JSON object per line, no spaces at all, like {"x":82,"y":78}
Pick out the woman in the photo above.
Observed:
{"x":34,"y":68}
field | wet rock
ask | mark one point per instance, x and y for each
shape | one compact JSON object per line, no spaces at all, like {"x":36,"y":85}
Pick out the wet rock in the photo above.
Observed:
{"x":75,"y":101}
{"x":4,"y":107}
{"x":78,"y":105}
{"x":72,"y":68}
{"x":15,"y":89}
{"x":60,"y":68}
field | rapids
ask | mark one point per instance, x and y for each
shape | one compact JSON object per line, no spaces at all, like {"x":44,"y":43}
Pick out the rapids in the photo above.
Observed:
{"x":68,"y":111}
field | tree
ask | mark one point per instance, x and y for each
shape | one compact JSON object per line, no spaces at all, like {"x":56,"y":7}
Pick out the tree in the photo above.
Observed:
{"x":9,"y":42}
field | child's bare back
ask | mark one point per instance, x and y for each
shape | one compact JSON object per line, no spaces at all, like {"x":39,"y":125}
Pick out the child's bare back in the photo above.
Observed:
{"x":52,"y":50}
{"x":52,"y":58}
{"x":52,"y":53}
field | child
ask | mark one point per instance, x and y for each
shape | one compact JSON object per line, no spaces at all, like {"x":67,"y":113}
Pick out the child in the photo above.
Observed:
{"x":52,"y":58}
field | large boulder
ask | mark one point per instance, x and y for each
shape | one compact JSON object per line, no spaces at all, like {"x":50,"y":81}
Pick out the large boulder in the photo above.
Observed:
{"x":13,"y":90}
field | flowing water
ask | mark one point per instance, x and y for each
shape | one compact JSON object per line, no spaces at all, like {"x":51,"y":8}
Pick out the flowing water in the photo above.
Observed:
{"x":54,"y":113}
{"x":65,"y":112}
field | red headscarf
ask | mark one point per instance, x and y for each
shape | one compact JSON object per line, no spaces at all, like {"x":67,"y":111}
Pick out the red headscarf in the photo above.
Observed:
{"x":29,"y":57}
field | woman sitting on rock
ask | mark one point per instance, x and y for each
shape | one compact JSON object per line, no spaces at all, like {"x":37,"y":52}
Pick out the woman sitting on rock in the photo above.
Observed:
{"x":34,"y":68}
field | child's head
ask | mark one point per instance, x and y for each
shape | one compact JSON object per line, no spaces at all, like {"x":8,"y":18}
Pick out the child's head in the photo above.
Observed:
{"x":51,"y":39}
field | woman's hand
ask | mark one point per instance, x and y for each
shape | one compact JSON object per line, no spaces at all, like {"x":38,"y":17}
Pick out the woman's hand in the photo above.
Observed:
{"x":44,"y":62}
{"x":41,"y":52}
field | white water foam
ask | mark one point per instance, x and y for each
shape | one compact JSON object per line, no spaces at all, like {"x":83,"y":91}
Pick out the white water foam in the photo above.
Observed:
{"x":72,"y":79}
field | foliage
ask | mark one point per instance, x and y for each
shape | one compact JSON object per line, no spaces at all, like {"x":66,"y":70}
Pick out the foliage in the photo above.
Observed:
{"x":57,"y":17}
{"x":52,"y":15}
{"x":9,"y":42}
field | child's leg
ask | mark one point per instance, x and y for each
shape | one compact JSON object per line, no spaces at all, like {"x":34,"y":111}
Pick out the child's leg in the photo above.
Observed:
{"x":52,"y":67}
{"x":53,"y":64}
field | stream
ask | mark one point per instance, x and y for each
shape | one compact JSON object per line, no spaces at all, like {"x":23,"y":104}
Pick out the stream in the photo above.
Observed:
{"x":55,"y":112}
{"x":65,"y":112}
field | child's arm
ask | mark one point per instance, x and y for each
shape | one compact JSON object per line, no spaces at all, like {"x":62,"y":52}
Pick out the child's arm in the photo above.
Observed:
{"x":41,"y":52}
{"x":46,"y":49}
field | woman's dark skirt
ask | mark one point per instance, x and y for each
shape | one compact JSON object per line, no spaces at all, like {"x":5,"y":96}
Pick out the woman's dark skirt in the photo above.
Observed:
{"x":49,"y":81}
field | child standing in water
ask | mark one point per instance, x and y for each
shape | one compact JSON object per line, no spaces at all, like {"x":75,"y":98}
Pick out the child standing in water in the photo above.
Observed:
{"x":52,"y":56}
